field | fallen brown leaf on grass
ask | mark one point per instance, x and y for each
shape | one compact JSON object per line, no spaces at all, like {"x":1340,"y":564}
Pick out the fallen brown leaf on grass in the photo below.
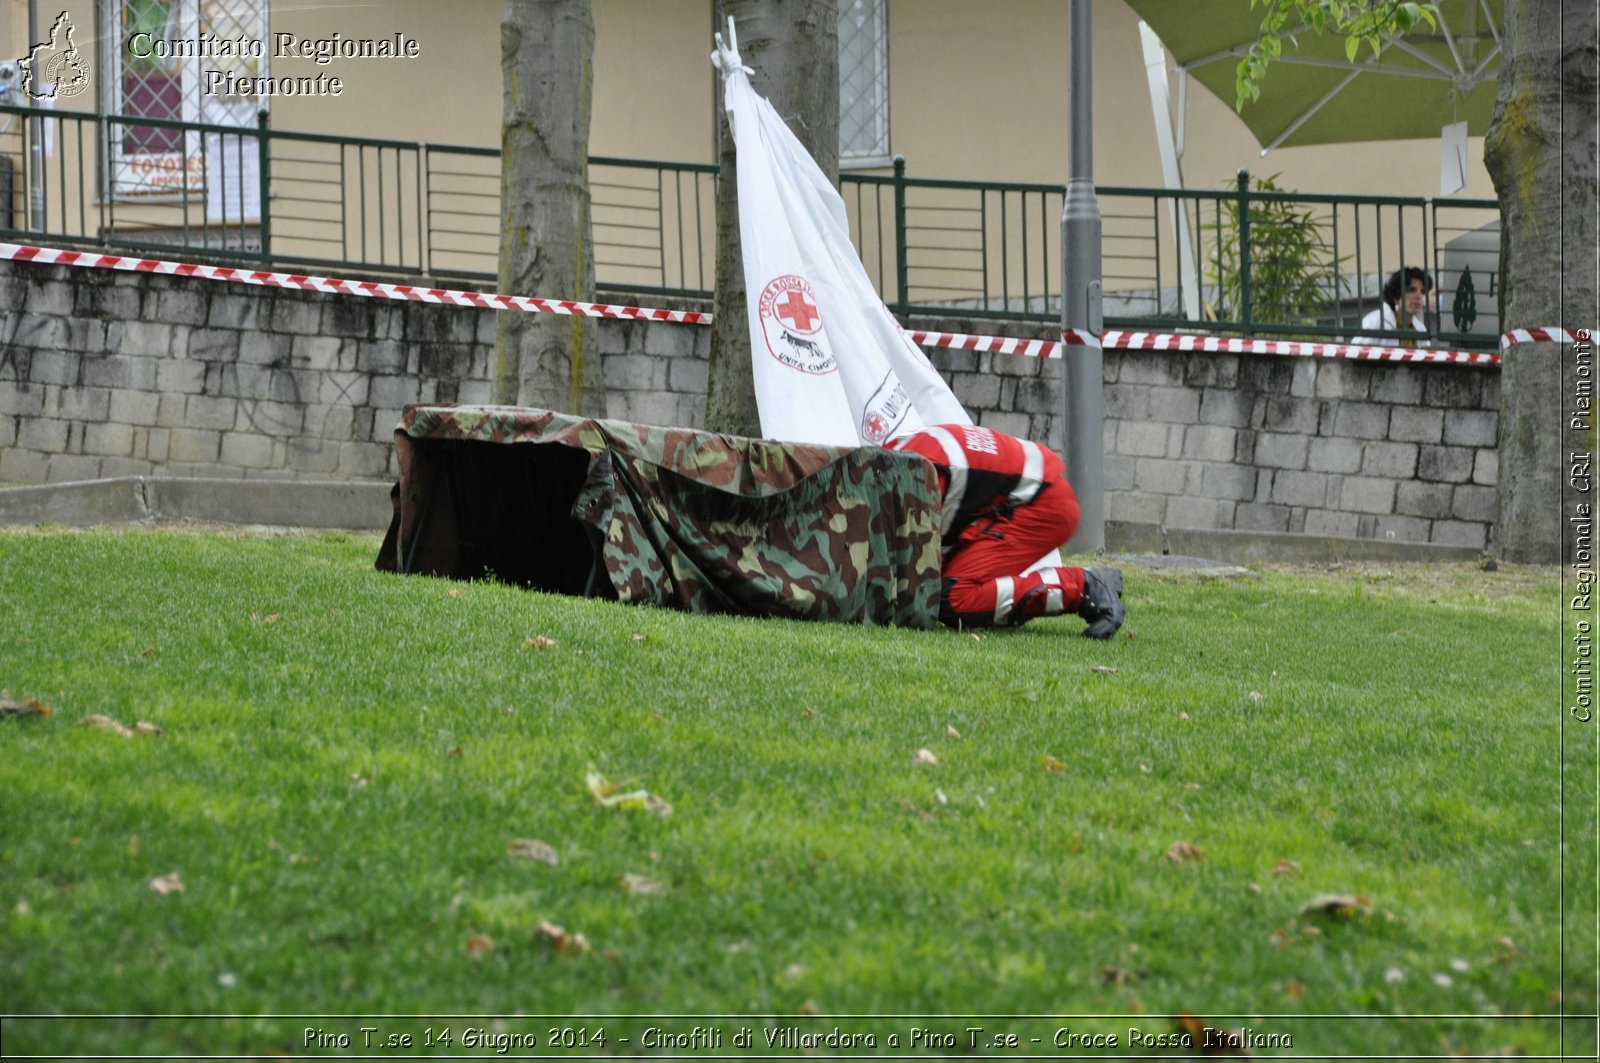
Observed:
{"x":610,"y":795}
{"x":145,"y":727}
{"x":27,"y":705}
{"x":641,"y":885}
{"x":1114,"y":975}
{"x":1256,"y":695}
{"x":456,"y":592}
{"x":1103,"y":669}
{"x":1184,"y":853}
{"x":925,"y":757}
{"x":165,"y":884}
{"x":1054,"y":764}
{"x":533,"y":849}
{"x":639,"y":636}
{"x":537,"y":642}
{"x":1338,"y":905}
{"x":105,"y":723}
{"x":480,"y":945}
{"x":950,"y":729}
{"x":1286,"y":867}
{"x":569,"y":944}
{"x":272,"y":618}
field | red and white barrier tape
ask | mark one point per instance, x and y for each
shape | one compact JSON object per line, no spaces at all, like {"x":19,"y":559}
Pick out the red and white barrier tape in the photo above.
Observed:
{"x":1543,"y":335}
{"x":336,"y":286}
{"x":1112,"y":339}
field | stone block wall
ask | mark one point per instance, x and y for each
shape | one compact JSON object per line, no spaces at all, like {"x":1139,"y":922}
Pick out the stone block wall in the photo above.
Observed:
{"x":106,"y":373}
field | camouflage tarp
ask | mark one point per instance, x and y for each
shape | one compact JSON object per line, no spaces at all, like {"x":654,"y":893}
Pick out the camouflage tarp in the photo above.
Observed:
{"x":668,"y":516}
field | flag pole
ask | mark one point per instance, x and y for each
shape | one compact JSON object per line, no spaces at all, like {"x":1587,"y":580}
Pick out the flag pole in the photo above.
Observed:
{"x":1083,"y":401}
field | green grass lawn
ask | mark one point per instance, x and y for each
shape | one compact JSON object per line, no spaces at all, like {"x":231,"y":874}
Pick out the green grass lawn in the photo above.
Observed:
{"x":345,"y":755}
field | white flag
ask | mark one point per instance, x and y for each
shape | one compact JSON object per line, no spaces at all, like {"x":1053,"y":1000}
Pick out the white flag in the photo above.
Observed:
{"x":831,"y":364}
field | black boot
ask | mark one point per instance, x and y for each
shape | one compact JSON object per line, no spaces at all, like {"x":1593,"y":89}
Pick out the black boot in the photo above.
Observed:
{"x":1101,"y":604}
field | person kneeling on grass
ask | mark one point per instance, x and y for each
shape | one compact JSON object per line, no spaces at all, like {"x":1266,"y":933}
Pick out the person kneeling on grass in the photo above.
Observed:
{"x":1007,"y":503}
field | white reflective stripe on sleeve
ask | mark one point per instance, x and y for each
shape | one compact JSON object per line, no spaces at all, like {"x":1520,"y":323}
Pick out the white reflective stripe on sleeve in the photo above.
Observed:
{"x":1032,"y":474}
{"x":956,"y":478}
{"x":1005,"y":590}
{"x":1054,"y":600}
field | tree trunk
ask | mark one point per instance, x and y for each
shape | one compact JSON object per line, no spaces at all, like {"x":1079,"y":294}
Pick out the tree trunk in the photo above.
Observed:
{"x":1540,"y":152}
{"x":793,"y":46}
{"x":546,"y":241}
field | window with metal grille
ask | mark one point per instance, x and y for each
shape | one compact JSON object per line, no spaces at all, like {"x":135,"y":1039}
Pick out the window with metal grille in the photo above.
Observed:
{"x":863,"y":83}
{"x":178,"y":60}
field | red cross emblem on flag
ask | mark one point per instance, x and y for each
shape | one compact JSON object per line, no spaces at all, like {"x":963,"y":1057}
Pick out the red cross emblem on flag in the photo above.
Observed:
{"x":797,"y":311}
{"x":791,"y":323}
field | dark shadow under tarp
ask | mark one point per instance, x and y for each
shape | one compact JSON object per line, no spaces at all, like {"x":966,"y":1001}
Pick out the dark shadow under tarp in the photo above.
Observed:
{"x":669,"y":516}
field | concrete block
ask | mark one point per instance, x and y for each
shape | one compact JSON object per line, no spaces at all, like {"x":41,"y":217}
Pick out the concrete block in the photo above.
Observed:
{"x":949,"y":361}
{"x":1303,"y":380}
{"x":42,"y":332}
{"x":87,"y":335}
{"x":1490,"y":399}
{"x":295,"y":385}
{"x":635,"y":372}
{"x":113,"y":440}
{"x":1475,"y":503}
{"x":181,"y":306}
{"x":391,"y":393}
{"x":248,"y":451}
{"x":1234,"y":482}
{"x":1416,"y":499}
{"x":83,"y":404}
{"x":44,"y":434}
{"x":49,"y":297}
{"x":348,"y":389}
{"x":1254,"y":516}
{"x":1460,"y":533}
{"x":1159,"y":368}
{"x":1016,"y":365}
{"x":323,"y":352}
{"x":1453,"y":386}
{"x":21,"y":466}
{"x":1008,"y":394}
{"x":1329,"y":522}
{"x":1361,"y":420}
{"x":96,"y":502}
{"x":120,"y":371}
{"x":1266,"y":373}
{"x":1397,"y":384}
{"x":1159,"y":476}
{"x":1207,"y":370}
{"x":1367,"y":494}
{"x":1328,"y":454}
{"x":669,"y":340}
{"x":1209,"y":442}
{"x":473,"y":391}
{"x":22,"y":400}
{"x":1281,"y":414}
{"x":1142,"y":439}
{"x":1471,"y":428}
{"x":307,"y":504}
{"x":1416,"y":424}
{"x":1226,"y":407}
{"x":293,"y":314}
{"x":264,"y":348}
{"x":688,"y":376}
{"x":364,"y":461}
{"x":312,"y":456}
{"x":118,"y":299}
{"x":1308,"y":489}
{"x":1341,"y":380}
{"x":122,"y":468}
{"x":1199,"y":513}
{"x":72,"y":468}
{"x":1398,"y":461}
{"x":1281,"y":451}
{"x":449,"y":361}
{"x":194,"y":445}
{"x":1012,"y":424}
{"x":1136,"y":508}
{"x":8,"y":432}
{"x":1403,"y":529}
{"x":180,"y":376}
{"x":1445,"y":464}
{"x":55,"y":367}
{"x":975,"y":391}
{"x":347,"y":317}
{"x":213,"y":345}
{"x":235,"y":310}
{"x":1174,"y":405}
{"x":203,"y":411}
{"x":1486,"y":468}
{"x":1036,"y":396}
{"x":1117,"y":472}
{"x":655,"y":407}
{"x":273,"y":419}
{"x":157,"y":445}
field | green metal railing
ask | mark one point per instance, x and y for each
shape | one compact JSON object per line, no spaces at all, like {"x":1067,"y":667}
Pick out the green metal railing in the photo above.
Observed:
{"x":1236,"y":259}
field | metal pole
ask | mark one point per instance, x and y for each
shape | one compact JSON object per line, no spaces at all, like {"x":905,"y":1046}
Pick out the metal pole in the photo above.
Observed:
{"x":36,"y":155}
{"x":1082,"y":373}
